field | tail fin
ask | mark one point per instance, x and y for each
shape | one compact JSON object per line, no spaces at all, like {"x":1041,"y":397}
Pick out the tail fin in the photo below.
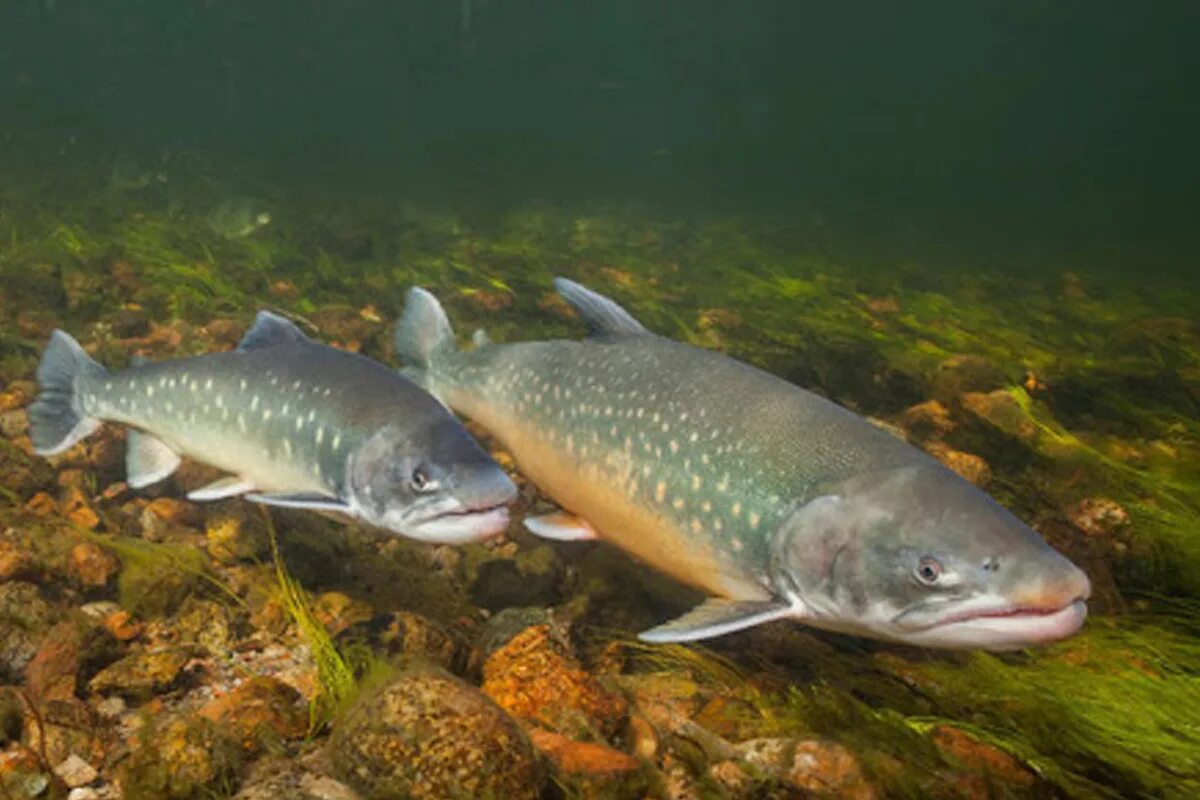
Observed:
{"x":423,"y":334}
{"x":57,"y":419}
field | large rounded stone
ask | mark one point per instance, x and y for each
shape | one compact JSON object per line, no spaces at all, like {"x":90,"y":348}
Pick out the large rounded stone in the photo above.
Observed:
{"x":427,"y":734}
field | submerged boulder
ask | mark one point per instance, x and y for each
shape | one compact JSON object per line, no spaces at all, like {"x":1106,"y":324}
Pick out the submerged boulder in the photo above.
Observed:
{"x":426,"y":735}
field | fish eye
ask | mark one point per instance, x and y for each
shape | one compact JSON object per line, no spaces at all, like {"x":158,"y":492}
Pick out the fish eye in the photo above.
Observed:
{"x":928,"y":570}
{"x":420,"y":480}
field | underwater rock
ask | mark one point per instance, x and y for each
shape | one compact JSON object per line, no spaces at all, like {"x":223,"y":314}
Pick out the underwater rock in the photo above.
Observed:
{"x":965,"y":373}
{"x":667,"y":700}
{"x":21,"y":773}
{"x":141,"y":675}
{"x":260,"y":713}
{"x":337,"y":611}
{"x":76,"y":507}
{"x":234,"y":533}
{"x":502,"y":627}
{"x":178,"y":758}
{"x":75,"y":772}
{"x":929,"y":419}
{"x":165,"y":517}
{"x":206,"y":624}
{"x":427,"y":735}
{"x":24,"y":618}
{"x":816,"y":766}
{"x":1098,"y":516}
{"x":968,"y":465}
{"x":536,"y":678}
{"x":988,"y":766}
{"x":1001,"y":410}
{"x":14,"y":561}
{"x":592,"y":770}
{"x":68,"y":649}
{"x":91,"y":565}
{"x":403,"y":634}
{"x":277,"y":778}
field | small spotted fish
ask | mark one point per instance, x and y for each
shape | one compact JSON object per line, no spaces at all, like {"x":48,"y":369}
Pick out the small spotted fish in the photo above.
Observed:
{"x":297,"y":423}
{"x":775,"y":501}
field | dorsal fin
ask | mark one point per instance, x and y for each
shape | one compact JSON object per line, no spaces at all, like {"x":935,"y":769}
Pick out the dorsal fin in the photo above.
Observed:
{"x":601,"y":315}
{"x":270,"y":330}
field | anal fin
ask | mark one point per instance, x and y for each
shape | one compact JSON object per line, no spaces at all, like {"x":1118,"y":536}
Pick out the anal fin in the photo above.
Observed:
{"x":147,"y":459}
{"x":230,"y":486}
{"x":559,"y":526}
{"x":717,"y":617}
{"x":312,"y":501}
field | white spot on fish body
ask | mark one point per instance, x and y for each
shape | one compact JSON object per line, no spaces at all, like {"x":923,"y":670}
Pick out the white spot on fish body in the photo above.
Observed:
{"x":320,"y":433}
{"x":287,"y":446}
{"x":677,"y":503}
{"x":695,"y":483}
{"x":149,"y":390}
{"x":753,"y":517}
{"x":296,"y":384}
{"x":736,"y":509}
{"x":108,"y":385}
{"x":254,"y":403}
{"x":266,"y":414}
{"x":208,"y":384}
{"x":736,"y":545}
{"x":241,"y":384}
{"x":337,"y":441}
{"x":674,"y":445}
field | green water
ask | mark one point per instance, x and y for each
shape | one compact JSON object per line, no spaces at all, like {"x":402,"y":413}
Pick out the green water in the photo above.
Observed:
{"x":851,"y":196}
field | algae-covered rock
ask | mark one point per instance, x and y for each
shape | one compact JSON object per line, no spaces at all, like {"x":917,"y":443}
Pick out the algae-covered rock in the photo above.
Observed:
{"x":532,"y":578}
{"x":427,"y":735}
{"x":179,"y":758}
{"x":535,"y":677}
{"x":142,"y":674}
{"x":260,"y":713}
{"x":283,"y":779}
{"x":820,"y":767}
{"x":234,"y":533}
{"x":591,"y":769}
{"x":24,"y":618}
{"x":67,"y":654}
{"x":91,"y":565}
{"x":22,"y":774}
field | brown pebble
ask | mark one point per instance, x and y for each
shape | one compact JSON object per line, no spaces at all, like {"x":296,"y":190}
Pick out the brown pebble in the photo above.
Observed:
{"x":42,"y":505}
{"x":92,"y":565}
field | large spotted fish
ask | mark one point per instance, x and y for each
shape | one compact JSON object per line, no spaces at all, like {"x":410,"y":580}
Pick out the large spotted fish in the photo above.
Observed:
{"x":773,"y":500}
{"x":297,"y":423}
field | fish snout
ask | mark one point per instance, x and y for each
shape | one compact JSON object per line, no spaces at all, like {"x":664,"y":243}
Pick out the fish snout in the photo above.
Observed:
{"x":485,"y":486}
{"x":1055,"y":589}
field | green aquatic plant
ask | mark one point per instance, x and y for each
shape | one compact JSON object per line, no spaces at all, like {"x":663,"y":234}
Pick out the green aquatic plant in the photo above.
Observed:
{"x":156,"y":577}
{"x":1113,"y":713}
{"x":343,"y":674}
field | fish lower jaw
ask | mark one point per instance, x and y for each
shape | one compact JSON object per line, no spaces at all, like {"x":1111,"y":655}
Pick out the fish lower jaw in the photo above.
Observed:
{"x":462,"y":527}
{"x":1003,"y":628}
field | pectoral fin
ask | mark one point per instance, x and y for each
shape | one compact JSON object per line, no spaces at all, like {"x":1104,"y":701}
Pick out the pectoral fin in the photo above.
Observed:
{"x":312,"y":501}
{"x":147,"y":459}
{"x":559,"y":526}
{"x":220,"y":489}
{"x":717,"y":617}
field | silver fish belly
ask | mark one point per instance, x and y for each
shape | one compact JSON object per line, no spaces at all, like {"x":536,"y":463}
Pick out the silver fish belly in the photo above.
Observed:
{"x":295,"y":422}
{"x":774,"y":500}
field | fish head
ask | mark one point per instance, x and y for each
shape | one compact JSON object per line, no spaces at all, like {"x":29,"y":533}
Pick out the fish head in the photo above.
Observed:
{"x":917,"y":554}
{"x":430,"y":482}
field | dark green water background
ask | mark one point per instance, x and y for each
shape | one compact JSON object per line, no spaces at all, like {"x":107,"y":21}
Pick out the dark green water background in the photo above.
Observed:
{"x":1022,"y":133}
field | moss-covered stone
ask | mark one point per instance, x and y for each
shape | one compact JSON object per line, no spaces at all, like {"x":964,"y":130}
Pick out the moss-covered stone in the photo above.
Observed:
{"x":427,"y":735}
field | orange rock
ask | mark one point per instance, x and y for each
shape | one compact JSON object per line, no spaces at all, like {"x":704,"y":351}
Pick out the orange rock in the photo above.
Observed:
{"x":990,"y":764}
{"x":489,"y":301}
{"x":882,"y":305}
{"x":283,"y":288}
{"x":92,"y":565}
{"x":122,"y":626}
{"x":968,"y":465}
{"x":260,"y":711}
{"x":927,"y":419}
{"x":534,"y":678}
{"x":42,"y":504}
{"x":13,"y":561}
{"x":168,"y":509}
{"x":1002,"y":411}
{"x":77,"y":508}
{"x":586,"y":758}
{"x":53,"y":672}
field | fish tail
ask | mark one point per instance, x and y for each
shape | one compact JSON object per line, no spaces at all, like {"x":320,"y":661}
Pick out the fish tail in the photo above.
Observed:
{"x":57,"y":418}
{"x":423,"y":334}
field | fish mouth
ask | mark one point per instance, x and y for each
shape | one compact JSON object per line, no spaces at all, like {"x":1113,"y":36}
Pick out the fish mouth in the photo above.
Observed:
{"x":1003,"y":626}
{"x":463,"y":525}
